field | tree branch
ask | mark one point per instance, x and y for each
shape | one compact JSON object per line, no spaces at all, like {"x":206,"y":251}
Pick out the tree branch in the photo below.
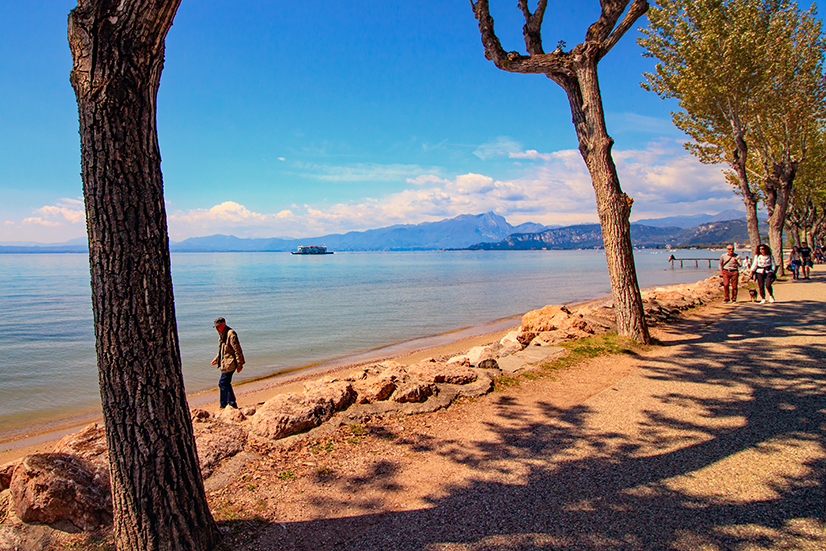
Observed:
{"x":611,"y":12}
{"x":638,"y":8}
{"x":493,"y":48}
{"x":533,"y":26}
{"x":555,"y":65}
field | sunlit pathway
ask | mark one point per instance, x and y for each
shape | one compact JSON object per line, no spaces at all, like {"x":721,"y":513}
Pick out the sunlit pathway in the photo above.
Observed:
{"x":714,"y":441}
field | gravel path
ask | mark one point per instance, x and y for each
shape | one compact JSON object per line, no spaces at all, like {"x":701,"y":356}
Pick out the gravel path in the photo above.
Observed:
{"x":712,"y":441}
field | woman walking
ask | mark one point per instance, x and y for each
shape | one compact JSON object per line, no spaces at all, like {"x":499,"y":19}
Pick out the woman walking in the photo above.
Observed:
{"x":763,"y":268}
{"x":795,"y":261}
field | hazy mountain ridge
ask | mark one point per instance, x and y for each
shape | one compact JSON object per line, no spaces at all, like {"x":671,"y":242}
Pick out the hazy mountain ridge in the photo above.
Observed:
{"x":458,"y":232}
{"x":589,"y":236}
{"x":479,"y":232}
{"x":695,"y":220}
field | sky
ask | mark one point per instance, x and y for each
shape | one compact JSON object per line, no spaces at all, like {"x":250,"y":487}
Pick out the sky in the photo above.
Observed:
{"x":298,"y":119}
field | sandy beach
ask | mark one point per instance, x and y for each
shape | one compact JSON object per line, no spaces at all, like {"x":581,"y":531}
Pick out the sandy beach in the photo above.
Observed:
{"x":258,"y":391}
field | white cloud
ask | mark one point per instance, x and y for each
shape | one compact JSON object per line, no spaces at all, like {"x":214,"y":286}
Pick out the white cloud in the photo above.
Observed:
{"x":548,"y":188}
{"x":56,"y":223}
{"x":66,"y":211}
{"x":554,"y":189}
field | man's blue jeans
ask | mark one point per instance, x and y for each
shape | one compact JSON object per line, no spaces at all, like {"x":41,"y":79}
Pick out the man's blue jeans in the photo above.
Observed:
{"x":227,"y":395}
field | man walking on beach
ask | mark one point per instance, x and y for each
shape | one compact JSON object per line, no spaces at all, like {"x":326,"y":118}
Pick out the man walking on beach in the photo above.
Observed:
{"x":730,"y":270}
{"x":230,"y":359}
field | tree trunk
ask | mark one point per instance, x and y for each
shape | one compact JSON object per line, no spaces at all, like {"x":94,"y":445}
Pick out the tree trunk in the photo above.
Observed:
{"x":158,"y":494}
{"x":613,"y":206}
{"x":738,"y":164}
{"x":752,"y":223}
{"x":576,"y":73}
{"x":778,"y":190}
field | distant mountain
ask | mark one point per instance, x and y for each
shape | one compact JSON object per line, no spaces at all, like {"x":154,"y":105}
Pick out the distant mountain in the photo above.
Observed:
{"x":77,"y":245}
{"x":480,"y":231}
{"x":697,"y":219}
{"x":453,"y":233}
{"x":589,"y":236}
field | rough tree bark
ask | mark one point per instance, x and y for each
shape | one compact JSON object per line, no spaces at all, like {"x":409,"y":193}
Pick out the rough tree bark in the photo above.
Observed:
{"x":576,"y":72}
{"x":778,"y":189}
{"x":117,"y":48}
{"x":738,"y":164}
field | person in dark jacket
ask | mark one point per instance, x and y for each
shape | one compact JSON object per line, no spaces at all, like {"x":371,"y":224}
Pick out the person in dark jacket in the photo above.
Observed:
{"x":230,"y":359}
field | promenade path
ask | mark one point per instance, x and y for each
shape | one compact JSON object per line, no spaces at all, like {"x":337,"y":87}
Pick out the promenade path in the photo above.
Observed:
{"x":715,"y":440}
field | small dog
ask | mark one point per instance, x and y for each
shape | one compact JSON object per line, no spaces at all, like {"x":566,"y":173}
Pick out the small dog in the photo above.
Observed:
{"x":753,"y":295}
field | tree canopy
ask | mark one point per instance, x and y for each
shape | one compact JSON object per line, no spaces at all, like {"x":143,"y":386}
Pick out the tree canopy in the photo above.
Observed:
{"x":748,"y":79}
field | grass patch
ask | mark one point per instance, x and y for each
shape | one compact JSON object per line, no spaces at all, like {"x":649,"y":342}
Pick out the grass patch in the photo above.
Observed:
{"x":324,"y":472}
{"x":576,"y":352}
{"x":286,"y":475}
{"x":95,"y":543}
{"x":357,"y":432}
{"x":320,"y":447}
{"x":592,"y":347}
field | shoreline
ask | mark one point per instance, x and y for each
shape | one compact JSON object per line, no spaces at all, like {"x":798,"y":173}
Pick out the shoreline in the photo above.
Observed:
{"x":44,"y":436}
{"x":260,"y":389}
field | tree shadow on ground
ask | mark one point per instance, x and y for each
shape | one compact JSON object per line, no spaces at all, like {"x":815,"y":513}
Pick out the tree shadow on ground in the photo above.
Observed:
{"x":686,"y":471}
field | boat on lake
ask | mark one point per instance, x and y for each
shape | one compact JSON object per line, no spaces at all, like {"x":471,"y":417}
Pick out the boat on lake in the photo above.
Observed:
{"x":312,"y":249}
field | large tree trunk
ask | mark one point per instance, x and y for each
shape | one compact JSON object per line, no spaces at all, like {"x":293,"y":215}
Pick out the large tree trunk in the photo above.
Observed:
{"x":613,"y":206}
{"x":778,"y":190}
{"x":738,"y":164}
{"x":158,"y":493}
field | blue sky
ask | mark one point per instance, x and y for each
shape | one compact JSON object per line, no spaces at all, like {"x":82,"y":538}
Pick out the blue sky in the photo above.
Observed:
{"x":301,"y":119}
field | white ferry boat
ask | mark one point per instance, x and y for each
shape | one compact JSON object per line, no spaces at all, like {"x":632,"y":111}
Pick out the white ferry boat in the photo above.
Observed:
{"x":312,"y":249}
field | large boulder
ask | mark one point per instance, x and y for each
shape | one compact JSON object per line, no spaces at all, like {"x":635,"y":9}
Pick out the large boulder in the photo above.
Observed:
{"x":53,"y":487}
{"x":439,"y":372}
{"x":89,"y":443}
{"x":289,"y":414}
{"x":376,"y":390}
{"x":230,"y":414}
{"x":510,"y":344}
{"x":546,"y":318}
{"x":484,"y":357}
{"x":415,"y":392}
{"x":217,"y":441}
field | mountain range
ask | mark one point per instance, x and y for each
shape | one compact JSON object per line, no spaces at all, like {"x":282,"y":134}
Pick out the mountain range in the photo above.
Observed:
{"x":589,"y":236}
{"x":487,"y":231}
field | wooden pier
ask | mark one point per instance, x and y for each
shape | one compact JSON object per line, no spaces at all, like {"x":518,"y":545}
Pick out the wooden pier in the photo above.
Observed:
{"x":743,"y":260}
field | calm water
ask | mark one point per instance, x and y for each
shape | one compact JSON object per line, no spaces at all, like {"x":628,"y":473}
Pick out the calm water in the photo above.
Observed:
{"x":289,"y":311}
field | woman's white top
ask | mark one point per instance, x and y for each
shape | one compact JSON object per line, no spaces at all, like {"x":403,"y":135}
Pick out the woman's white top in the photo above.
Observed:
{"x":763,"y":264}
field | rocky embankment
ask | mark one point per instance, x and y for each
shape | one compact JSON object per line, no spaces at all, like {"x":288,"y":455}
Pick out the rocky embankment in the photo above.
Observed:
{"x":71,"y":484}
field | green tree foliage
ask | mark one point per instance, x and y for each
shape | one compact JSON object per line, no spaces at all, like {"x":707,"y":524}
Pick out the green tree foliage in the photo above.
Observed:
{"x":747,"y":76}
{"x":806,"y":216}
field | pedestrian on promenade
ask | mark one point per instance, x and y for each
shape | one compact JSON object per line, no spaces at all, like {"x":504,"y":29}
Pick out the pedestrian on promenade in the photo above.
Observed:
{"x":763,"y":268}
{"x":230,"y":359}
{"x":795,"y":261}
{"x":730,"y":270}
{"x":806,"y":254}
